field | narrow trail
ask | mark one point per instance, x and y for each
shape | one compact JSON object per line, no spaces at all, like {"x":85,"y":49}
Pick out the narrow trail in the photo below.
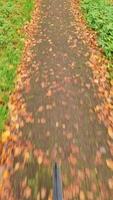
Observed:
{"x":61,"y":100}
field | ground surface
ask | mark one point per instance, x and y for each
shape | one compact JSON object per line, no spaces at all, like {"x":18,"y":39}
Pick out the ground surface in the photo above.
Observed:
{"x":62,"y":126}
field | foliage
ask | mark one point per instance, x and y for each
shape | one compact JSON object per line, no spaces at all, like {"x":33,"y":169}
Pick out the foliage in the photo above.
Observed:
{"x":13,"y":15}
{"x":99,"y":15}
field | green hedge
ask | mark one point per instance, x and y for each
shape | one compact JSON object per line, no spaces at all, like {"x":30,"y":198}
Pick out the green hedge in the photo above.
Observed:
{"x":13,"y":15}
{"x":99,"y":15}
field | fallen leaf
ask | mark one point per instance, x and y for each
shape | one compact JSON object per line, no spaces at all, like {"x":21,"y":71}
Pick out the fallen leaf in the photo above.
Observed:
{"x":38,"y":196}
{"x":110,"y":163}
{"x":26,"y":156}
{"x":48,"y":134}
{"x":57,"y":124}
{"x":82,"y":195}
{"x":43,"y":84}
{"x":17,"y":166}
{"x":1,"y":172}
{"x":110,"y":183}
{"x":40,"y":109}
{"x":110,"y":132}
{"x":5,"y":174}
{"x":48,"y":107}
{"x":27,"y":192}
{"x":49,"y":93}
{"x":50,"y":49}
{"x":72,"y":159}
{"x":40,"y":159}
{"x":43,"y":120}
{"x":24,"y":182}
{"x":69,"y":135}
{"x":17,"y":151}
{"x":5,"y":136}
{"x":90,"y":195}
{"x":43,"y":193}
{"x":63,"y":126}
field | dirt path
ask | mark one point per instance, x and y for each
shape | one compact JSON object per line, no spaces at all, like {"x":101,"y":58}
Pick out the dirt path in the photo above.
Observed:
{"x":62,"y":124}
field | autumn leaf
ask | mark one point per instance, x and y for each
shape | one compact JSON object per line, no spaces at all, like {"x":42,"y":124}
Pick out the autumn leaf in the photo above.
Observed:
{"x":40,"y":109}
{"x":17,"y":151}
{"x":43,"y":120}
{"x":49,"y":93}
{"x":5,"y":136}
{"x":48,"y":133}
{"x":110,"y":132}
{"x":40,"y":160}
{"x":17,"y":166}
{"x":110,"y":183}
{"x":27,"y":192}
{"x":43,"y":193}
{"x":110,"y":163}
{"x":82,"y":195}
{"x":24,"y":182}
{"x":26,"y":156}
{"x":57,"y":124}
{"x":72,"y":159}
{"x":5,"y":174}
{"x":63,"y":126}
{"x":69,"y":135}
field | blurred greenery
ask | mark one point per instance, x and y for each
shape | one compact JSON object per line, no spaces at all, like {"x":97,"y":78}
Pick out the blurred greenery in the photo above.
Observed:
{"x":99,"y":15}
{"x":13,"y":16}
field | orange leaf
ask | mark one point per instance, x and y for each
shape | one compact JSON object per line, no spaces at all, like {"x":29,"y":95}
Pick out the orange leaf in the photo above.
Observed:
{"x":110,"y":132}
{"x":110,"y":163}
{"x":72,"y":159}
{"x":17,"y":151}
{"x":5,"y":174}
{"x":49,"y":93}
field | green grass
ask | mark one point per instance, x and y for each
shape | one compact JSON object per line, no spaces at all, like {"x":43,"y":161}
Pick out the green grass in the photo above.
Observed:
{"x":99,"y":15}
{"x":13,"y":16}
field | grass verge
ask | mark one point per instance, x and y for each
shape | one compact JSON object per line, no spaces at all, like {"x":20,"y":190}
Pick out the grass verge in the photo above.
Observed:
{"x":13,"y":15}
{"x":99,"y":15}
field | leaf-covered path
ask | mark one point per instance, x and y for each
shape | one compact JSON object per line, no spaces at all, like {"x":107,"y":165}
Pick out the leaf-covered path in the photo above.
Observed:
{"x":57,"y":116}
